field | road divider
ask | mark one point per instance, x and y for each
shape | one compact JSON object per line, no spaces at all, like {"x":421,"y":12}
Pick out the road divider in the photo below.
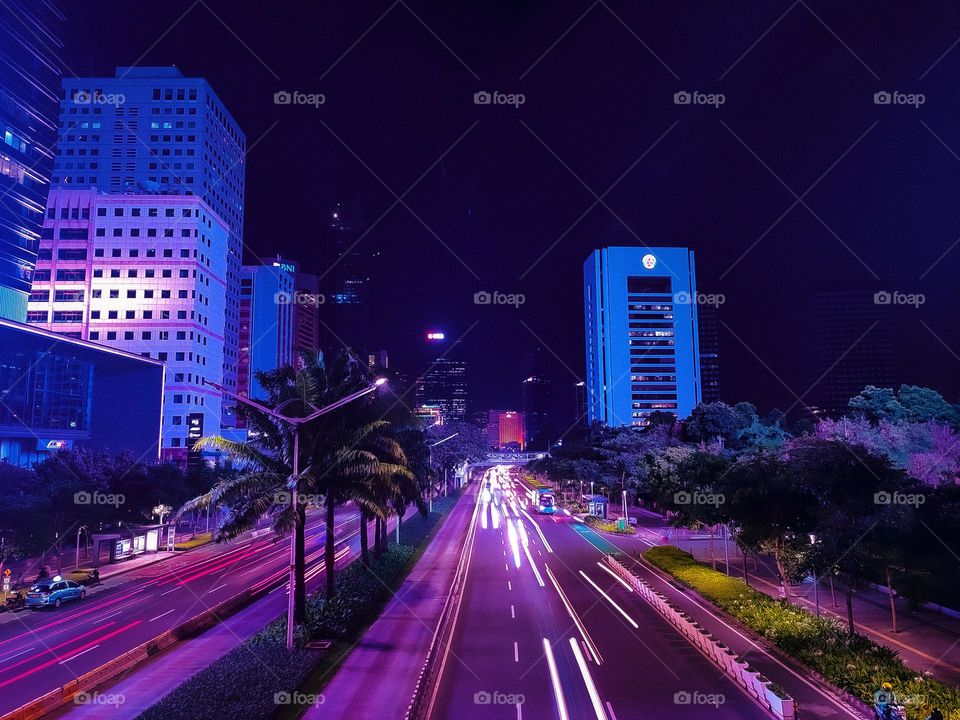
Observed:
{"x":751,"y":682}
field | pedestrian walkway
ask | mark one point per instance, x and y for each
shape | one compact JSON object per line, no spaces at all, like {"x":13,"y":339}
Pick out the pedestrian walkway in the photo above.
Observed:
{"x":379,"y":676}
{"x":927,"y":641}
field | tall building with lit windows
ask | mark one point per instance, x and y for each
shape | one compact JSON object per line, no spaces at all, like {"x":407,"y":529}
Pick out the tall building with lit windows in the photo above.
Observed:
{"x":267,"y":302}
{"x":30,"y":40}
{"x":146,"y":274}
{"x":642,"y":345}
{"x":152,"y":131}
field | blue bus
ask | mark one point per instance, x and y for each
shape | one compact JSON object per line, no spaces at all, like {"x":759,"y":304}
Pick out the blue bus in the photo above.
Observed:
{"x":545,"y":502}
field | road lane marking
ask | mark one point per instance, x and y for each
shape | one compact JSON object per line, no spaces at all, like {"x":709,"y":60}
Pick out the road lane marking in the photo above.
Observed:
{"x":509,"y":585}
{"x":576,"y":619}
{"x":163,"y":615}
{"x":555,"y":680}
{"x":539,"y":531}
{"x":611,"y":601}
{"x":613,"y":715}
{"x":11,"y":657}
{"x":516,"y":652}
{"x":74,"y":657}
{"x":513,"y":613}
{"x":178,"y":587}
{"x":218,"y":587}
{"x":588,"y":681}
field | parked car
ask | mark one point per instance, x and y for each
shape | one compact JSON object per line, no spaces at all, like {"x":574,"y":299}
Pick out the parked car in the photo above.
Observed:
{"x":53,"y":592}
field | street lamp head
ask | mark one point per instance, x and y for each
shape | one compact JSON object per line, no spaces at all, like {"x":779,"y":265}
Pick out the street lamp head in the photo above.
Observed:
{"x":380,"y":381}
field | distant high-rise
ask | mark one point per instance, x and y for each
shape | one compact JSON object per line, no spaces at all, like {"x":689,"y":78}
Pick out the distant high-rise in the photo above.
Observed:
{"x":444,"y":385}
{"x":581,"y":414}
{"x":30,"y":40}
{"x":709,"y":352}
{"x":641,"y":334}
{"x":535,"y":397}
{"x":152,"y":131}
{"x":847,"y":346}
{"x":266,"y":323}
{"x":506,"y":430}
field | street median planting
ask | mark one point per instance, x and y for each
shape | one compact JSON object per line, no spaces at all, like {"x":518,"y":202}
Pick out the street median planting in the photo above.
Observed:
{"x":260,"y":678}
{"x":609,"y":526}
{"x":854,"y":663}
{"x":201,"y":539}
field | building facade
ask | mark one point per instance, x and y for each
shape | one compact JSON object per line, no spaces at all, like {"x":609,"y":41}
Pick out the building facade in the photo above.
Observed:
{"x":152,"y":131}
{"x":146,"y":274}
{"x":266,"y":324}
{"x":443,"y":385}
{"x":30,"y":39}
{"x":708,"y":325}
{"x":536,"y":401}
{"x":60,"y":393}
{"x":848,"y":344}
{"x":642,"y":346}
{"x":506,"y":430}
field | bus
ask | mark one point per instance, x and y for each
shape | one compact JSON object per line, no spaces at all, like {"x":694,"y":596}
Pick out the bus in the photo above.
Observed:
{"x":545,"y":502}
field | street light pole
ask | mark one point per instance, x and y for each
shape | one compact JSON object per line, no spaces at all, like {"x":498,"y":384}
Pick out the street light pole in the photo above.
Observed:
{"x":79,"y":530}
{"x":295,"y":423}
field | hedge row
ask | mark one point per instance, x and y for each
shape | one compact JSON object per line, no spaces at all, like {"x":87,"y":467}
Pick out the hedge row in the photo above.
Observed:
{"x":258,"y":677}
{"x":609,"y":526}
{"x":855,"y":663}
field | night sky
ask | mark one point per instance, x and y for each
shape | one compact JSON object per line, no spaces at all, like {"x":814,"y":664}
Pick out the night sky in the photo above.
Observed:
{"x":513,"y":204}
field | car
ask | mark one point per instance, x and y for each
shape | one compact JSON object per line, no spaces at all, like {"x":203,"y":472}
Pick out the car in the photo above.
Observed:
{"x":53,"y":592}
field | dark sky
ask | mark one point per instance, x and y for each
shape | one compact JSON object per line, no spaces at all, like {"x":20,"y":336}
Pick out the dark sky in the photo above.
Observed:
{"x":518,"y":184}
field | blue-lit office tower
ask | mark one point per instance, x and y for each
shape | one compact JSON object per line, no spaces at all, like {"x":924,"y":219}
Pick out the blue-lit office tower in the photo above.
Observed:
{"x":641,"y":334}
{"x":29,"y":76}
{"x":152,"y":131}
{"x":267,"y":302}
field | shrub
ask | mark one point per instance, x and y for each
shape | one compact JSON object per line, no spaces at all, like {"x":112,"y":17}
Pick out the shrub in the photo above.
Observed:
{"x":607,"y":525}
{"x":201,"y":539}
{"x":855,"y":663}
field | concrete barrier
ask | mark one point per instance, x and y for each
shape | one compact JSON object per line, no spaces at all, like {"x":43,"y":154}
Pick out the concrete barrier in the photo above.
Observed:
{"x":749,"y":681}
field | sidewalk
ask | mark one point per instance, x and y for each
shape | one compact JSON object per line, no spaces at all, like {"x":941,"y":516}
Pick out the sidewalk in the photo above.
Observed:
{"x":378,"y":678}
{"x":928,"y":641}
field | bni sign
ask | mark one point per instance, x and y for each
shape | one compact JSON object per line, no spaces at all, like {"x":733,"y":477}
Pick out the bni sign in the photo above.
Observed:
{"x":194,"y":433}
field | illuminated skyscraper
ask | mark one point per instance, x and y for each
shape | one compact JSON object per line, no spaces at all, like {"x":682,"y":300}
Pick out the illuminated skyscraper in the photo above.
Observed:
{"x":709,"y":352}
{"x":444,"y":385}
{"x":152,"y":131}
{"x":506,"y":430}
{"x":641,"y":334}
{"x":145,"y":274}
{"x":267,"y":306}
{"x":29,"y":79}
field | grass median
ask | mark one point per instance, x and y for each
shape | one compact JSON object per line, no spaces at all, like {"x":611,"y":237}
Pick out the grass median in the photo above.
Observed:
{"x":261,"y":679}
{"x":854,"y":663}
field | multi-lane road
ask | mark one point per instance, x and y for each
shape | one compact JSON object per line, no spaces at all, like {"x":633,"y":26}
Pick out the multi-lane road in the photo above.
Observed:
{"x":40,"y":651}
{"x":545,"y":631}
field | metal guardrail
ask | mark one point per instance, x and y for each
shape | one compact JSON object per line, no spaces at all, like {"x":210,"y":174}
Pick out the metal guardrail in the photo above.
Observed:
{"x":425,"y":691}
{"x":751,"y":682}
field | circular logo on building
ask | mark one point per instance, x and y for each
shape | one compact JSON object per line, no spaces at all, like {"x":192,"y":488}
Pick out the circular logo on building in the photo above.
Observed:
{"x":649,"y":262}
